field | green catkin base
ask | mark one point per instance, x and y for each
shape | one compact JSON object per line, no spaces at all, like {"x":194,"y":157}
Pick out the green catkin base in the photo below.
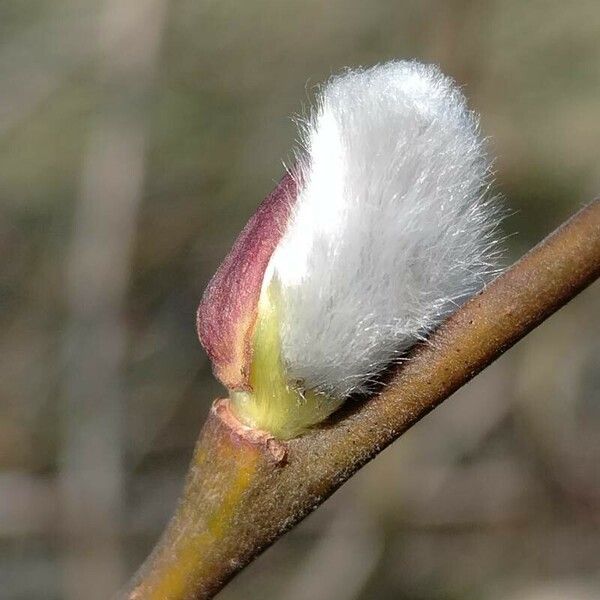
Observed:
{"x":274,"y":405}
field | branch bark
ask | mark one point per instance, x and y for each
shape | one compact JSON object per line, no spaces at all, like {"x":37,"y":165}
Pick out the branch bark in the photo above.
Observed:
{"x":244,"y":489}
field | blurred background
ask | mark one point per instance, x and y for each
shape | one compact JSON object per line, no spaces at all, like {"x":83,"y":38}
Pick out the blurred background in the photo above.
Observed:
{"x":136,"y":138}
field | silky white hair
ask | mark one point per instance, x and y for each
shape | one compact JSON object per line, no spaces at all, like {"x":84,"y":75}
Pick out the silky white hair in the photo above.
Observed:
{"x":392,"y":228}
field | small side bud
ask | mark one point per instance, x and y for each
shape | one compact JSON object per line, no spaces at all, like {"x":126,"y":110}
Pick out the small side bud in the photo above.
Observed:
{"x":384,"y":229}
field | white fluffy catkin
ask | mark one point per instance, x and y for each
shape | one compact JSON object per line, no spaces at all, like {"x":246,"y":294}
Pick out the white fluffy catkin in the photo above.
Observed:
{"x":392,"y":229}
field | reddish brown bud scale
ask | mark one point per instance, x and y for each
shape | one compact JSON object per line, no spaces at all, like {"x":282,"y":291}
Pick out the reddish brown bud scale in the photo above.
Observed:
{"x":227,"y":313}
{"x":275,"y":450}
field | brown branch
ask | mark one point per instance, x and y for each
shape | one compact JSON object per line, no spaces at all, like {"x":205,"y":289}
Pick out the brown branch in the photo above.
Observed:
{"x":241,"y":496}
